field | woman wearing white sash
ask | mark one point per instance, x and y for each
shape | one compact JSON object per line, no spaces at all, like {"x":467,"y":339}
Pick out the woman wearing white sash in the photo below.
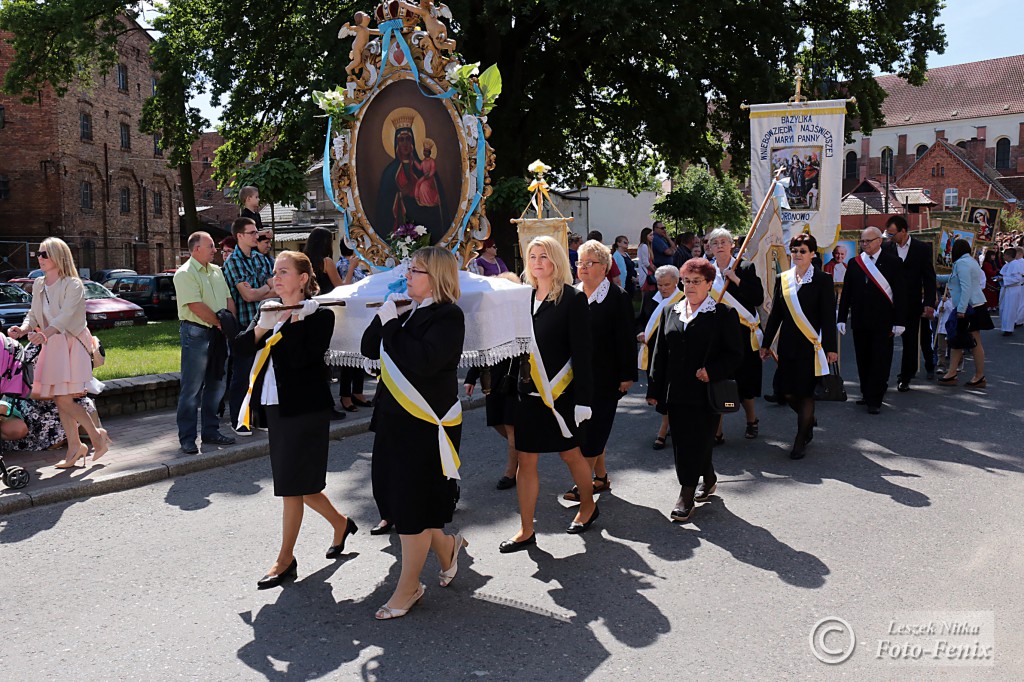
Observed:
{"x":810,"y":294}
{"x":415,"y":459}
{"x":744,"y":294}
{"x":555,"y":387}
{"x":667,"y":295}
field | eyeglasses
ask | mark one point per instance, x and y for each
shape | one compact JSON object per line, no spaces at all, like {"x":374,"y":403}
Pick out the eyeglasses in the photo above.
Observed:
{"x":694,"y":282}
{"x":418,"y":272}
{"x":586,"y":264}
{"x":43,"y":254}
{"x":868,"y":241}
{"x":249,"y":234}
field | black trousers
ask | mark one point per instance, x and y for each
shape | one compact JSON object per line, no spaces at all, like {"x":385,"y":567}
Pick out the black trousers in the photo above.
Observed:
{"x":873,"y":347}
{"x":919,"y":332}
{"x":693,"y":439}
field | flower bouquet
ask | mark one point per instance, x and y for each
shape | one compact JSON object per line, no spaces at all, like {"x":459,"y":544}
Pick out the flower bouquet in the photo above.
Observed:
{"x":407,"y":239}
{"x":332,"y":102}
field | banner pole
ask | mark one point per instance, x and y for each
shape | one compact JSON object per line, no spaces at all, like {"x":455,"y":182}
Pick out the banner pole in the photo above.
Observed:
{"x":753,"y":227}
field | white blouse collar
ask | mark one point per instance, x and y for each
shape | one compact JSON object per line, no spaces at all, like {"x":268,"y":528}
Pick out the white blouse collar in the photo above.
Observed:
{"x":708,"y":306}
{"x":808,"y":276}
{"x":599,"y":293}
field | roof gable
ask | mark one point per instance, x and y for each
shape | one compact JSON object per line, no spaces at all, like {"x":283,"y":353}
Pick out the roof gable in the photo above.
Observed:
{"x":943,"y":148}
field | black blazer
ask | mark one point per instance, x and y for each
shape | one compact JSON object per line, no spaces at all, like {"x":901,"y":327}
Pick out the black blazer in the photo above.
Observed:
{"x":818,"y":301}
{"x":303,"y":380}
{"x":749,"y":292}
{"x":614,"y":344}
{"x":427,"y":350}
{"x":918,"y":276}
{"x":563,"y":333}
{"x":870,"y":308}
{"x":711,"y":341}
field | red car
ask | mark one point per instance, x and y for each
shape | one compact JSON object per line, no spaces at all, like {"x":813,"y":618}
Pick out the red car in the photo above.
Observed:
{"x":103,"y":310}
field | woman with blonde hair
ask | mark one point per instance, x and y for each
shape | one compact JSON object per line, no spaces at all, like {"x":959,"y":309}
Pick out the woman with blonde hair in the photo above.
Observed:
{"x":63,"y":371}
{"x":554,"y":387}
{"x":417,"y":420}
{"x":290,"y":379}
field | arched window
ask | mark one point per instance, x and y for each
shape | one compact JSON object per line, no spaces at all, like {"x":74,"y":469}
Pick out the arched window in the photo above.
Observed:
{"x":962,"y":144}
{"x":921,"y":149}
{"x":1003,"y":152}
{"x":851,"y":166}
{"x":886,"y":166}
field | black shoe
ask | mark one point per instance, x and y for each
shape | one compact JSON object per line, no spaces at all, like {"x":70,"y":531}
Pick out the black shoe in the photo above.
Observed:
{"x":577,"y":528}
{"x":504,"y":483}
{"x":862,"y":402}
{"x":659,"y":443}
{"x":337,"y":416}
{"x":1007,"y":333}
{"x":797,"y":454}
{"x":752,"y":428}
{"x":682,"y":514}
{"x":509,"y":546}
{"x":719,"y":439}
{"x":771,"y":398}
{"x":219,"y":439}
{"x":362,"y":403}
{"x":382,"y":528}
{"x":336,"y":550}
{"x":874,"y":409}
{"x":902,"y":385}
{"x":189,"y":449}
{"x":268,"y":581}
{"x":703,"y":493}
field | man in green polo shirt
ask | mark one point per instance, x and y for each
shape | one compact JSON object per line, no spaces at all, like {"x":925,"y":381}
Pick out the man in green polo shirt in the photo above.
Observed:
{"x":201,"y":291}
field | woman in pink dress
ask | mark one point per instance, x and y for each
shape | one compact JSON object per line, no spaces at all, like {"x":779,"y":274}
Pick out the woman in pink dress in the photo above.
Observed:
{"x":63,"y":371}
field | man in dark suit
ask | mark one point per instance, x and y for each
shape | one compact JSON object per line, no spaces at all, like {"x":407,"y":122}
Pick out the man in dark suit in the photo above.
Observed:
{"x":873,"y":291}
{"x":919,"y":283}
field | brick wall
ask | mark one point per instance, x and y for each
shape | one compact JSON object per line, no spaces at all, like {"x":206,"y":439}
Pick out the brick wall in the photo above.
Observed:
{"x":940,"y":169}
{"x":223,"y":210}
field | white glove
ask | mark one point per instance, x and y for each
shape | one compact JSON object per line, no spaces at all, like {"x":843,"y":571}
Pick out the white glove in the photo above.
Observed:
{"x":309,"y":306}
{"x":582,"y":413}
{"x":388,"y":311}
{"x":841,"y":326}
{"x":898,"y":331}
{"x":270,"y":314}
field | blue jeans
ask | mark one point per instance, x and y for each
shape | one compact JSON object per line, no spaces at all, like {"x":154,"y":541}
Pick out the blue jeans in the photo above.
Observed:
{"x":198,"y":392}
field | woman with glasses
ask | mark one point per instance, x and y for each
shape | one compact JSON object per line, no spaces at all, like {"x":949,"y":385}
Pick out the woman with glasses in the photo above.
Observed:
{"x":803,"y":316}
{"x":667,"y":295}
{"x":698,"y":342}
{"x":555,"y":387}
{"x":738,"y":286}
{"x":613,"y":358}
{"x":63,"y":370}
{"x":417,"y":420}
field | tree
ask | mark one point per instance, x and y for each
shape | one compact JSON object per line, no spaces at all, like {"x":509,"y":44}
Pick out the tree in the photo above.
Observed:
{"x":702,"y":202}
{"x":278,"y":180}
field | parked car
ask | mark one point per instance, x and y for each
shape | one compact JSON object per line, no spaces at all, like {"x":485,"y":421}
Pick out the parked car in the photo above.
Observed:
{"x":8,"y":275}
{"x":103,"y":310}
{"x":24,"y":283}
{"x":14,"y":305}
{"x":155,"y":293}
{"x":104,"y":276}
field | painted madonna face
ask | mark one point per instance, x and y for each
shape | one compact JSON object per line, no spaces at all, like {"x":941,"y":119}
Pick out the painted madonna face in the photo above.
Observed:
{"x":404,"y":146}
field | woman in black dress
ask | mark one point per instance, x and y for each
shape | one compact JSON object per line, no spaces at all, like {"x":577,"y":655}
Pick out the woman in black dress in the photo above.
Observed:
{"x":613,"y":357}
{"x":806,"y":295}
{"x":417,"y":420}
{"x":744,"y":293}
{"x":555,"y":387}
{"x":697,"y":343}
{"x":668,"y":294}
{"x":290,"y":379}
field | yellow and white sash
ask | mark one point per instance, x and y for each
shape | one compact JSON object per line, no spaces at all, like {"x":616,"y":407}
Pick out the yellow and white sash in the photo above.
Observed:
{"x":749,"y":320}
{"x":550,"y":389}
{"x":244,"y":415}
{"x":875,"y":275}
{"x":643,"y":361}
{"x":415,"y":404}
{"x":789,"y":289}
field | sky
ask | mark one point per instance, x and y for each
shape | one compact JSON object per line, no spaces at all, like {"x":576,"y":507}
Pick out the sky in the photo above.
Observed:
{"x":975,"y":30}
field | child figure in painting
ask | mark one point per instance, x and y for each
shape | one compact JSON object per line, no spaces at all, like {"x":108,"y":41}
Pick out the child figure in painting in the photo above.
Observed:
{"x":426,"y":188}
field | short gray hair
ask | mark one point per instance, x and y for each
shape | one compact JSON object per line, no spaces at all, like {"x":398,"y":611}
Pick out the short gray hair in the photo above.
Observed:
{"x":718,"y":233}
{"x":667,"y":271}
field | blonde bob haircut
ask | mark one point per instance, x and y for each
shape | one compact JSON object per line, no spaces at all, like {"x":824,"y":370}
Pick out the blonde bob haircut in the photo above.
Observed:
{"x":443,"y":270}
{"x":597,"y":252}
{"x":303,"y":266}
{"x":556,"y":254}
{"x":57,"y":251}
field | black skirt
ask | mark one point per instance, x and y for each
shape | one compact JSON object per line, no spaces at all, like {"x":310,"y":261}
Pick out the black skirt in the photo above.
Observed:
{"x":500,"y":408}
{"x":599,"y":426}
{"x":795,"y":376}
{"x":537,"y":430}
{"x":298,"y":451}
{"x":748,"y":377}
{"x":979,"y":320}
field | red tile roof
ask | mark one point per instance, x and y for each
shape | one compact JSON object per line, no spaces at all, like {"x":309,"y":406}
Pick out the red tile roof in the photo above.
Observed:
{"x":994,"y":87}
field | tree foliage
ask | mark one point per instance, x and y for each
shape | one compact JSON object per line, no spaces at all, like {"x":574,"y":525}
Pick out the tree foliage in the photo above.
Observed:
{"x":701,"y":202}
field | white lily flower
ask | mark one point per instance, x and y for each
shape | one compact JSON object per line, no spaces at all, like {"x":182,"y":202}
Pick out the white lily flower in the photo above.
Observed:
{"x":538,"y":166}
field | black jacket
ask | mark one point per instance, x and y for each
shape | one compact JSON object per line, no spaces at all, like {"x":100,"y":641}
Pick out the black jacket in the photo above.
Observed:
{"x":562,"y":331}
{"x":868,"y":306}
{"x":614,"y":344}
{"x":711,"y":341}
{"x":303,"y":381}
{"x":818,"y":301}
{"x":918,"y":276}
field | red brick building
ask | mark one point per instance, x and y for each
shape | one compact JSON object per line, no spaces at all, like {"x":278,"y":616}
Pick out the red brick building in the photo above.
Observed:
{"x":78,"y":168}
{"x":216,"y":209}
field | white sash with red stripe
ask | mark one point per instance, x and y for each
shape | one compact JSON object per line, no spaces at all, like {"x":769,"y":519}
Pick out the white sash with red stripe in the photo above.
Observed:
{"x":875,"y":275}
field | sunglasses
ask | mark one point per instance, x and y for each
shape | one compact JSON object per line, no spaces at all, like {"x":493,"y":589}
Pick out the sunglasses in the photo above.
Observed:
{"x":799,"y":251}
{"x":43,"y":254}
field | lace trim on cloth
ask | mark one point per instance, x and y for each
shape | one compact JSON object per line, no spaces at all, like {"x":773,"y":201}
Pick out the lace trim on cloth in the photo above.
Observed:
{"x":599,"y":293}
{"x":470,"y":358}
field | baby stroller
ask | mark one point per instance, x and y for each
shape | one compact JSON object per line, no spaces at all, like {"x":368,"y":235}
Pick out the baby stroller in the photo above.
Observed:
{"x":15,"y":382}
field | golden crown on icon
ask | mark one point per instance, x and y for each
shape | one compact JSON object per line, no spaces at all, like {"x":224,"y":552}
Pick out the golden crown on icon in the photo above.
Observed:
{"x":399,"y":122}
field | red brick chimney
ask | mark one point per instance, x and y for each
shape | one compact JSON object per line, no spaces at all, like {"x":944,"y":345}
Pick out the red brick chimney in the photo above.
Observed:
{"x":1020,"y":158}
{"x":901,"y":155}
{"x":975,"y":149}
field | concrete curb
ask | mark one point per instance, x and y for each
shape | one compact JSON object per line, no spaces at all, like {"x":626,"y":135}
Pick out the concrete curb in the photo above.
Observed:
{"x":14,"y":501}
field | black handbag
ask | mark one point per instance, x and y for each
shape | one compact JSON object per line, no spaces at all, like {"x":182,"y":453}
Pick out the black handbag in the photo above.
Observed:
{"x":830,"y":387}
{"x":724,"y":394}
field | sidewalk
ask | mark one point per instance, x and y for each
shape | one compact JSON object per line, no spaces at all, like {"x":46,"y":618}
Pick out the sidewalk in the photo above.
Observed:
{"x":144,"y":450}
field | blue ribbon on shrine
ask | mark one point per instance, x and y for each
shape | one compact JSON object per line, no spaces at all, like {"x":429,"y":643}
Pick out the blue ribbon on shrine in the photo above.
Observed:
{"x":481,"y":160}
{"x":329,"y":191}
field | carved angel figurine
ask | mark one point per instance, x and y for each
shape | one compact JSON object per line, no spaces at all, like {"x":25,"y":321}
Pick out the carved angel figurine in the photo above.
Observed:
{"x":362,"y":33}
{"x":431,"y":13}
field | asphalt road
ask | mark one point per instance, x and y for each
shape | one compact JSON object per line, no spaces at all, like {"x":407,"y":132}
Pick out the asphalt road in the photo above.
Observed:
{"x":915,"y":510}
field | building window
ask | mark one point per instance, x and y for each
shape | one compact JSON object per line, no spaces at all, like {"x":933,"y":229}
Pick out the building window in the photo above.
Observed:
{"x":126,"y":136}
{"x":1003,"y":153}
{"x":851,"y":166}
{"x":86,"y":192}
{"x":122,"y":77}
{"x":921,"y":149}
{"x":886,"y":166}
{"x":206,"y":162}
{"x":157,"y":151}
{"x":3,"y":117}
{"x":962,"y":144}
{"x":5,"y":188}
{"x":126,"y":200}
{"x":153,"y":82}
{"x":951,"y":198}
{"x":158,"y":204}
{"x":85,"y":126}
